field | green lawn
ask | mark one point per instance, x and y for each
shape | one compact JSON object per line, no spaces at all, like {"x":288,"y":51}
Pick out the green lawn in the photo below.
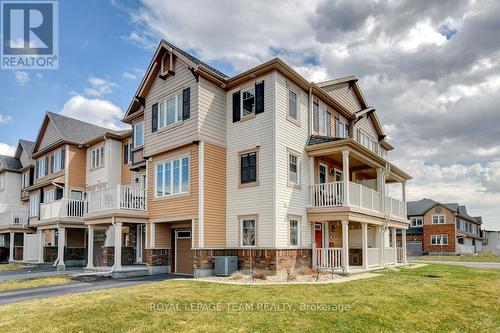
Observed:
{"x":482,"y":257}
{"x":432,"y":298}
{"x":34,"y":282}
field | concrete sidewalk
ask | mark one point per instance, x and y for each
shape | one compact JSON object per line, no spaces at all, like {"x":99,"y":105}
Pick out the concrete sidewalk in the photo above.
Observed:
{"x":28,"y":273}
{"x":494,"y":265}
{"x":20,"y":295}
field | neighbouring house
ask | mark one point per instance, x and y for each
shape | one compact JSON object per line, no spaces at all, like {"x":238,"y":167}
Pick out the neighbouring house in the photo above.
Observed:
{"x":263,"y":165}
{"x":491,"y":241}
{"x":442,"y":228}
{"x":16,"y":173}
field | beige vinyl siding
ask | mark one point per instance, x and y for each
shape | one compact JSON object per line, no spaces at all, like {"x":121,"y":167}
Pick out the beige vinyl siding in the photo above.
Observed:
{"x":126,"y":173}
{"x":76,"y":167}
{"x":211,"y":112}
{"x":181,"y":206}
{"x":75,"y":237}
{"x":256,"y":200}
{"x":182,"y":132}
{"x":291,"y":200}
{"x":345,"y":96}
{"x":25,"y":160}
{"x":49,"y":137}
{"x":366,"y":125}
{"x":163,"y":236}
{"x":214,"y":225}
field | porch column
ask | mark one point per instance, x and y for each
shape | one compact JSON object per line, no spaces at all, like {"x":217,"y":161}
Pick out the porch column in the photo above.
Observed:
{"x":403,"y":197}
{"x":345,"y":170}
{"x":311,"y":180}
{"x":381,"y":188}
{"x":403,"y":245}
{"x":381,"y":242}
{"x":60,"y":248}
{"x":364,"y":242}
{"x":395,"y":245}
{"x":41,"y":241}
{"x":11,"y":246}
{"x":118,"y":246}
{"x":90,"y":248}
{"x":345,"y":246}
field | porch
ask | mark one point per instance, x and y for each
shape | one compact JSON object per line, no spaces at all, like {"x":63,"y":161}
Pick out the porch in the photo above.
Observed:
{"x":119,"y":198}
{"x":353,"y":247}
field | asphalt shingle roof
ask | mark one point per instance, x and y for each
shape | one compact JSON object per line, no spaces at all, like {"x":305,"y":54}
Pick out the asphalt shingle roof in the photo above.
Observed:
{"x":317,"y":139}
{"x":75,"y":130}
{"x":27,"y":146}
{"x":9,"y":162}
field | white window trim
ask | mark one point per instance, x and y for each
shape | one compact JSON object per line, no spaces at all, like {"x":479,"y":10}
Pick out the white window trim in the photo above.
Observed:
{"x":297,"y":103}
{"x":242,"y":90}
{"x":444,"y":219}
{"x":248,"y":218}
{"x":323,"y":110}
{"x":178,"y":116}
{"x":299,"y":228}
{"x":415,"y":218}
{"x":439,"y":237}
{"x":171,"y":160}
{"x":299,"y":169}
{"x":142,"y":134}
{"x":326,"y":172}
{"x":340,"y":172}
{"x":101,"y":158}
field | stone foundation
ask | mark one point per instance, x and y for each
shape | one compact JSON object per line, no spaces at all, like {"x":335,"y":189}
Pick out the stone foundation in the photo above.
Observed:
{"x":108,"y":255}
{"x":270,"y":261}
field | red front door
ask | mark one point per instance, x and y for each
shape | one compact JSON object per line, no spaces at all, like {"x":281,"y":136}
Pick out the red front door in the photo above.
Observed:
{"x":318,"y":234}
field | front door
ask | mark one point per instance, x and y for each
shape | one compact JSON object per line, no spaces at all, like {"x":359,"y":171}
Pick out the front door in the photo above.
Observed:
{"x":183,"y":252}
{"x":140,"y":243}
{"x":318,"y":234}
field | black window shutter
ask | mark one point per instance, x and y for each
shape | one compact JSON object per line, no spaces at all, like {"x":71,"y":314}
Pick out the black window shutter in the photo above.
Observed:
{"x":316,"y":116}
{"x":46,"y":165}
{"x":252,"y":167}
{"x":125,"y":154}
{"x":154,"y":117}
{"x":37,"y":167}
{"x":244,"y":169}
{"x":63,"y":158}
{"x":236,"y":107}
{"x":329,"y":124}
{"x":259,"y":97}
{"x":52,"y":164}
{"x":59,"y":193}
{"x":186,"y":103}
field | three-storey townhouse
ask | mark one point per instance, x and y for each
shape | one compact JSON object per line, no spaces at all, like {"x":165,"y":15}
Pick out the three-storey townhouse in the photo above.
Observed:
{"x":15,"y":174}
{"x":266,"y":166}
{"x":442,"y":228}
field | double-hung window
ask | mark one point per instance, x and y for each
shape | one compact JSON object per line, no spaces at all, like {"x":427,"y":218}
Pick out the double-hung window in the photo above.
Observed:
{"x":416,"y":221}
{"x":248,"y":168}
{"x":293,"y":169}
{"x":42,"y":167}
{"x":25,"y":180}
{"x":325,"y":119}
{"x":438,"y":219}
{"x":439,"y":239}
{"x":97,"y":157}
{"x":293,"y":225}
{"x":56,"y":161}
{"x":172,"y":177}
{"x":323,"y":173}
{"x":248,"y":102}
{"x":127,"y":153}
{"x":248,"y":234}
{"x":138,"y":134}
{"x":293,"y":109}
{"x":170,"y":111}
{"x":342,"y":129}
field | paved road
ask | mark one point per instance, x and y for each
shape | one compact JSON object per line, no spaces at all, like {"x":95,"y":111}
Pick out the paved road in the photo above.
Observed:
{"x":36,"y":272}
{"x":495,"y":265}
{"x":20,"y":295}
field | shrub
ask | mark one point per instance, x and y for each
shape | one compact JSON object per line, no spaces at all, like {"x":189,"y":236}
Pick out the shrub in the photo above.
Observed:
{"x":304,"y":270}
{"x":261,"y":275}
{"x":237,"y":276}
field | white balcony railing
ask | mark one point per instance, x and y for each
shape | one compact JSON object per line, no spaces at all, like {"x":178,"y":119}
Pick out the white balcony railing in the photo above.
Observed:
{"x":17,"y":216}
{"x":327,"y":257}
{"x":332,"y":195}
{"x":62,"y":208}
{"x":119,"y":197}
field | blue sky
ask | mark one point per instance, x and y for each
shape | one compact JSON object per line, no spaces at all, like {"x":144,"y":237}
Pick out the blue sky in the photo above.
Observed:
{"x":433,"y":74}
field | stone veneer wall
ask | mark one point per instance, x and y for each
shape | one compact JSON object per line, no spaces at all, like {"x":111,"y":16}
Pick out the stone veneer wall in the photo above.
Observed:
{"x":271,"y":261}
{"x":108,"y":255}
{"x":157,"y":257}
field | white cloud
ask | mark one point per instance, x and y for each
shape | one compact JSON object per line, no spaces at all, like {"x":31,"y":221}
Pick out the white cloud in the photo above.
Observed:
{"x":99,"y":87}
{"x":140,"y":40}
{"x":5,"y":119}
{"x":6,"y":149}
{"x":128,"y":75}
{"x":96,"y":111}
{"x":22,"y":77}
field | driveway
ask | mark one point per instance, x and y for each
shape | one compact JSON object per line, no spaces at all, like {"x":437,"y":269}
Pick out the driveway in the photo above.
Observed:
{"x":494,"y":265}
{"x":20,"y":295}
{"x":36,"y":272}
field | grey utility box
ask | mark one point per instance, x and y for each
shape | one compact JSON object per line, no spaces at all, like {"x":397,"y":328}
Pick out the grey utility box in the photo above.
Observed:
{"x":225,"y":265}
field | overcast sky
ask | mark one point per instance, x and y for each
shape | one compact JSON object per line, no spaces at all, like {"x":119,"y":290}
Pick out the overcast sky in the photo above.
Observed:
{"x":430,"y":68}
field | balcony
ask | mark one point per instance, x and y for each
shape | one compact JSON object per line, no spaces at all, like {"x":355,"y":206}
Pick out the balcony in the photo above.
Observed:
{"x":125,"y":198}
{"x":13,"y":216}
{"x":62,"y":209}
{"x":332,"y":195}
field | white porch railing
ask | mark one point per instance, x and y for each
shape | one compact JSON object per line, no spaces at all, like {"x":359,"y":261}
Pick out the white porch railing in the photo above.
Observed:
{"x":400,"y":254}
{"x":14,"y":216}
{"x":327,"y":257}
{"x":119,"y":197}
{"x":389,"y":255}
{"x":373,"y":256}
{"x":364,"y":197}
{"x":62,"y":208}
{"x":465,"y":249}
{"x":328,"y":194}
{"x":395,"y":207}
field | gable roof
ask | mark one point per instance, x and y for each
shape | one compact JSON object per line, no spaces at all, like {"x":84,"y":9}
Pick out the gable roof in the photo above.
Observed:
{"x":479,"y":219}
{"x":70,"y":130}
{"x":10,"y":163}
{"x":26,"y":146}
{"x":420,"y":207}
{"x":462,"y":212}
